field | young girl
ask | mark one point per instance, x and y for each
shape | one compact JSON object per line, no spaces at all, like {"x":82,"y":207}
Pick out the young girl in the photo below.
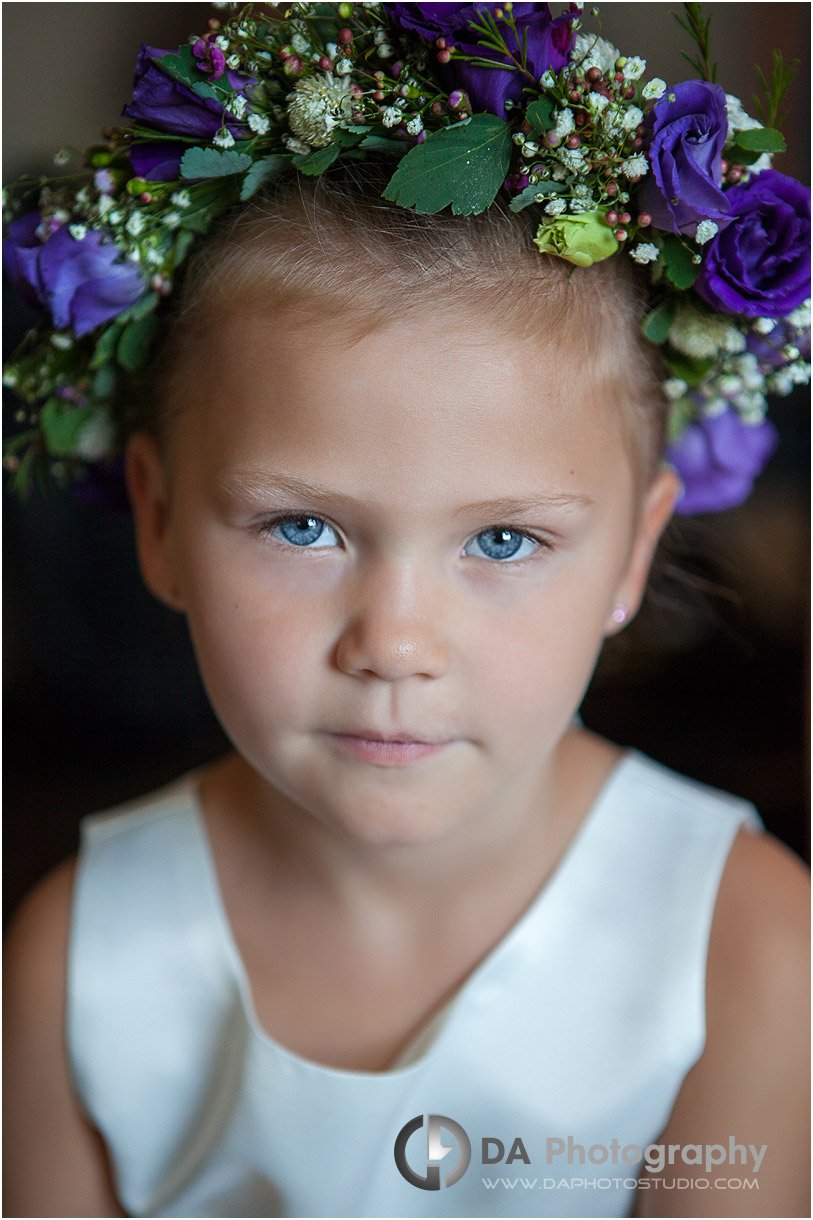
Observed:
{"x":421,"y":945}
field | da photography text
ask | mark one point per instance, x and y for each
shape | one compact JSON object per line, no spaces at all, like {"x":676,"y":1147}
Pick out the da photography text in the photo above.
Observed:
{"x":439,"y":1157}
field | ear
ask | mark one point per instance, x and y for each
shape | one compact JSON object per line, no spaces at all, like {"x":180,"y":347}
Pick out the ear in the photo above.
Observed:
{"x":148,"y":488}
{"x":657,"y":508}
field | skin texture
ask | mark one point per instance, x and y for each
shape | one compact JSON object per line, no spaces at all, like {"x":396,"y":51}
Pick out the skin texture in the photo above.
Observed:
{"x":336,"y":869}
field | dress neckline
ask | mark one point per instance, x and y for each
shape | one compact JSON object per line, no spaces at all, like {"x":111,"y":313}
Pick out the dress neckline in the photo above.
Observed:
{"x":439,"y":1022}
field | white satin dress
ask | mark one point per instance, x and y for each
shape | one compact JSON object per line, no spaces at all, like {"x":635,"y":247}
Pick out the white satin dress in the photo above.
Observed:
{"x":581,"y":1023}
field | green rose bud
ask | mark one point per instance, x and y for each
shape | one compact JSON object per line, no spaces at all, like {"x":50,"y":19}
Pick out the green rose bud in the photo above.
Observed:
{"x":584,"y":239}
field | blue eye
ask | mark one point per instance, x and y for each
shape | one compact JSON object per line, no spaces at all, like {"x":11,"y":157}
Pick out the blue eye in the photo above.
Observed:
{"x":501,"y":543}
{"x":303,"y":531}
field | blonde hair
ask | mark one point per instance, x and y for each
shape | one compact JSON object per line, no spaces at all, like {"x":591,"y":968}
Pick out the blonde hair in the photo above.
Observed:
{"x":333,"y":247}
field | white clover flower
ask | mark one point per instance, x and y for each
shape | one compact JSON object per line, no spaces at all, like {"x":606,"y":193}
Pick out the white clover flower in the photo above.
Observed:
{"x":223,"y":139}
{"x":346,"y":65}
{"x":799,"y":318}
{"x":634,"y":68}
{"x":104,"y":205}
{"x":698,"y":335}
{"x":800,"y":372}
{"x":319,"y":103}
{"x":135,"y":225}
{"x":63,"y":343}
{"x":556,"y":207}
{"x":172,"y":220}
{"x":155,"y":258}
{"x":573,"y":159}
{"x":577,"y":206}
{"x":654,"y":89}
{"x":181,"y":199}
{"x":83,"y":196}
{"x":115,"y":218}
{"x":547,"y":80}
{"x":738,"y":120}
{"x":391,"y":116}
{"x":78,"y":232}
{"x":779,"y":383}
{"x":258,"y":123}
{"x":632,"y":117}
{"x":634,"y":167}
{"x":558,"y":173}
{"x":238,"y":106}
{"x":733,"y":340}
{"x":233,"y":62}
{"x":715,"y":406}
{"x":96,"y":438}
{"x":764,"y":326}
{"x":674,"y":388}
{"x":380,"y":36}
{"x":644,"y":252}
{"x":10,"y":378}
{"x":222,"y":42}
{"x":296,"y":146}
{"x":564,"y":125}
{"x":705,"y":231}
{"x":62,"y":157}
{"x":591,"y":52}
{"x":300,"y":44}
{"x":415,"y":125}
{"x":597,"y":102}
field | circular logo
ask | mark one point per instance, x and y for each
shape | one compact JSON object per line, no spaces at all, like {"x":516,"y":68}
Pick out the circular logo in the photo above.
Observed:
{"x":436,"y":1151}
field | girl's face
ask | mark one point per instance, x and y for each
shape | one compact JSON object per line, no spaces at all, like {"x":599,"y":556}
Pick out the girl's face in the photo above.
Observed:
{"x":417,"y":539}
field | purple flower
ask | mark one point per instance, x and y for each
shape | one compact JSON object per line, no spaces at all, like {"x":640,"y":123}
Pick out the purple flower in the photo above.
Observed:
{"x":158,"y":161}
{"x":685,"y":149}
{"x":82,"y":282}
{"x":212,"y":59}
{"x":549,"y":41}
{"x":759,"y":265}
{"x":718,"y":459}
{"x":168,"y":106}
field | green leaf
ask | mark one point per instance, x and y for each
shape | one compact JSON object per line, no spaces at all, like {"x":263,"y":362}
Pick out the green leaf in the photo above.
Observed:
{"x":182,"y":66}
{"x":657,"y":325}
{"x":741,"y":156}
{"x":689,"y":370}
{"x":680,"y":269}
{"x":528,"y":196}
{"x":106,"y":345}
{"x":316,"y":163}
{"x":61,"y":423}
{"x":394,"y":148}
{"x":540,"y":114}
{"x":104,"y":383}
{"x":211,"y":163}
{"x":262,"y":171}
{"x":462,"y":167}
{"x":134,"y":345}
{"x":762,"y":140}
{"x":142,"y":307}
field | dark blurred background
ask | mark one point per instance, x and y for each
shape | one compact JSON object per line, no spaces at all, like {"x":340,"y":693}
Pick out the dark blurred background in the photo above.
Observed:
{"x":102,"y":698}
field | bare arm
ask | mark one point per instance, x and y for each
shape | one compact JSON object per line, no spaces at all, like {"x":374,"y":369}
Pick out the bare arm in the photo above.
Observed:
{"x":54,"y":1160}
{"x":752,"y":1081}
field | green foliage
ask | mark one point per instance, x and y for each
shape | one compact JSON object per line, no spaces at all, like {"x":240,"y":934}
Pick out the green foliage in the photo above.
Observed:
{"x":461,"y":167}
{"x":698,"y":29}
{"x":262,"y":171}
{"x":657,"y":324}
{"x":212,"y":163}
{"x":317,"y":162}
{"x":61,"y":423}
{"x":782,"y":74}
{"x":761,"y":140}
{"x":133,"y":347}
{"x":678,"y":258}
{"x":541,"y":114}
{"x":688,"y":369}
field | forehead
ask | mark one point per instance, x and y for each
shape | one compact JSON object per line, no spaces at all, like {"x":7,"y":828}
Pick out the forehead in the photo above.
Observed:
{"x":427,"y":408}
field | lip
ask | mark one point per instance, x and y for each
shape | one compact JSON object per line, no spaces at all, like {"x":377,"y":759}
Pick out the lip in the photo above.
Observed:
{"x":400,"y":750}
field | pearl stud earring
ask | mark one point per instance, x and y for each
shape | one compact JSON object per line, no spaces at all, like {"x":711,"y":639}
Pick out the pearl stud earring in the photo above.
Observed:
{"x":620,"y":613}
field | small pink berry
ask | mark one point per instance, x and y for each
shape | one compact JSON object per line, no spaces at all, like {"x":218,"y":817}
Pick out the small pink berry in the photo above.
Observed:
{"x":612,"y":219}
{"x":644,"y":220}
{"x":624,"y":217}
{"x":345,"y":37}
{"x":620,"y":235}
{"x":325,"y":63}
{"x":443,"y":56}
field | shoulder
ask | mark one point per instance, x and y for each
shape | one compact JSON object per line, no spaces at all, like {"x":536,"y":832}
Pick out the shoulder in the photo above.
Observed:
{"x":37,"y":939}
{"x":56,"y":1162}
{"x":760,"y":938}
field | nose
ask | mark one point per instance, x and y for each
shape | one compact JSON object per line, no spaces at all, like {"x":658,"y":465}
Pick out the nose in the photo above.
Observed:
{"x":394,"y":627}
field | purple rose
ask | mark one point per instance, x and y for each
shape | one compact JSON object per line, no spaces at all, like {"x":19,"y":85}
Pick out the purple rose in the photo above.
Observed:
{"x":157,"y":162}
{"x":82,"y":282}
{"x":549,"y":41}
{"x":168,"y":106}
{"x":718,"y":459}
{"x":759,"y":265}
{"x":685,"y":148}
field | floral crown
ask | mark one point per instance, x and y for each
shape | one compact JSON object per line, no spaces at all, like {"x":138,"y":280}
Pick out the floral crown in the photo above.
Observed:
{"x":469,"y":101}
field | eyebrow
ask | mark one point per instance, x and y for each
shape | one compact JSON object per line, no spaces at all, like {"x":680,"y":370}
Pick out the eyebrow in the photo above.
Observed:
{"x":257,"y":484}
